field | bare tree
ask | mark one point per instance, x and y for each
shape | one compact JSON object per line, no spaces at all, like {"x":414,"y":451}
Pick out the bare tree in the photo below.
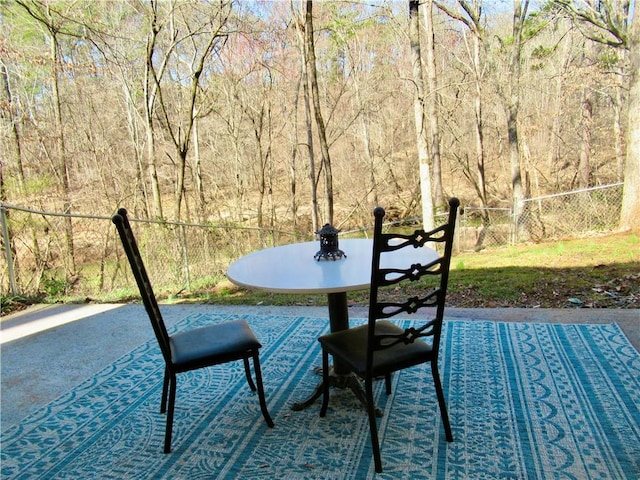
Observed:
{"x":315,"y":95}
{"x":608,"y":23}
{"x":152,"y":76}
{"x":556,"y":105}
{"x":201,"y":35}
{"x":470,"y":14}
{"x":202,"y":40}
{"x":586,"y":124}
{"x":432,"y":101}
{"x":53,"y":23}
{"x":419,"y":107}
{"x":10,"y":120}
{"x":259,"y":113}
{"x":306,"y":95}
{"x":293,"y":178}
{"x":512,"y":97}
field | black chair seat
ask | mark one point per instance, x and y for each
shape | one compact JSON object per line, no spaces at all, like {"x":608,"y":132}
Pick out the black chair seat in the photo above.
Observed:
{"x":351,"y":345}
{"x":212,"y":344}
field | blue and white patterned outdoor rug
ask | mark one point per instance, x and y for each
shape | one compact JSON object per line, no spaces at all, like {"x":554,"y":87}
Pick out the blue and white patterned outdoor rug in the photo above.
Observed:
{"x":526,"y":401}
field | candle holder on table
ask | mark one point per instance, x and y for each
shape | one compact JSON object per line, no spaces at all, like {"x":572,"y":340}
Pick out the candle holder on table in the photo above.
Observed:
{"x":329,"y":244}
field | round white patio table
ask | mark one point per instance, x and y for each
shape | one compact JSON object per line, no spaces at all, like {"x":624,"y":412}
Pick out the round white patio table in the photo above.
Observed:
{"x":293,"y":269}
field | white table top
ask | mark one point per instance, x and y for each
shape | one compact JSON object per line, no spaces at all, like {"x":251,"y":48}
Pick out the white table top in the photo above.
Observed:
{"x":292,"y":268}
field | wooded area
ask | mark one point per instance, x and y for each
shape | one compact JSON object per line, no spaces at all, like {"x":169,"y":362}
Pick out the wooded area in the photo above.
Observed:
{"x":290,"y":114}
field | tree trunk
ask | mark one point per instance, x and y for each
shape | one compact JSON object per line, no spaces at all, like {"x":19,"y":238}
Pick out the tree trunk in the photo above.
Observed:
{"x":15,"y":152}
{"x":182,"y":136}
{"x":419,"y":114}
{"x":513,"y":106}
{"x":433,"y":100}
{"x":293,"y":199}
{"x":62,"y":157}
{"x":12,"y":124}
{"x":618,"y":131}
{"x":476,"y":176}
{"x":304,"y":67}
{"x":197,"y":167}
{"x":134,"y":137}
{"x":630,"y":212}
{"x":261,"y":160}
{"x":150,"y":92}
{"x":179,"y":191}
{"x":366,"y":145}
{"x":584,"y":167}
{"x":480,"y":172}
{"x":313,"y":181}
{"x":553,"y":155}
{"x":42,"y":14}
{"x":315,"y":93}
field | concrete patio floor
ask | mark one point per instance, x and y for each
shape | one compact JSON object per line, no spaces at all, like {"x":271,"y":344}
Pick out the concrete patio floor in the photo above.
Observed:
{"x":46,"y":350}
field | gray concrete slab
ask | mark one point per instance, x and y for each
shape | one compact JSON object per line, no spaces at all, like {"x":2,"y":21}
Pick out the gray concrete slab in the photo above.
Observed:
{"x":47,"y":350}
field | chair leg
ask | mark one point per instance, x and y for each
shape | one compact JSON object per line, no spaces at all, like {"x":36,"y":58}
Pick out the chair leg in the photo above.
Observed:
{"x":165,"y":390}
{"x":441,"y":402}
{"x":373,"y":423}
{"x":172,"y":402}
{"x":325,"y":383}
{"x":263,"y":402}
{"x":247,"y":371}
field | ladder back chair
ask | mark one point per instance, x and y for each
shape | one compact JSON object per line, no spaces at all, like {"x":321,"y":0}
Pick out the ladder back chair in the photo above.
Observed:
{"x":380,"y":347}
{"x":191,"y":349}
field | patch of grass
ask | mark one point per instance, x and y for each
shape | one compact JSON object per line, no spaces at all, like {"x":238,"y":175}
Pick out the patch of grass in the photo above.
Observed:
{"x":598,"y":272}
{"x":623,"y":248}
{"x":594,"y":272}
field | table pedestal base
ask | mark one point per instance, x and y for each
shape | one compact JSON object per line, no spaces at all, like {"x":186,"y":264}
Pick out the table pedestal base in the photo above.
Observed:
{"x":348,"y":380}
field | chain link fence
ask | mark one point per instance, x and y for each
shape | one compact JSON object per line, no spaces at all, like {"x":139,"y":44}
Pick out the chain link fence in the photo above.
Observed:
{"x":484,"y":228}
{"x":545,"y":218}
{"x":178,"y":256}
{"x":182,"y":257}
{"x":570,"y":214}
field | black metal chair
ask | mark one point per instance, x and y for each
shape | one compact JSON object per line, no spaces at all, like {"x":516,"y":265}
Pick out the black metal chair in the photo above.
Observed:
{"x":379,"y":347}
{"x":191,"y":349}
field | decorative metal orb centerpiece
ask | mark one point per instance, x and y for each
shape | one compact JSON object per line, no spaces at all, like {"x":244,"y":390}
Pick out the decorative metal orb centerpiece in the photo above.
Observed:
{"x":329,"y":244}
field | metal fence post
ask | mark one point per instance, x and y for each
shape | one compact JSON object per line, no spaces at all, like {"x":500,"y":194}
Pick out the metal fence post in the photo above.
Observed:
{"x":185,"y":256}
{"x":7,"y":251}
{"x":514,"y":226}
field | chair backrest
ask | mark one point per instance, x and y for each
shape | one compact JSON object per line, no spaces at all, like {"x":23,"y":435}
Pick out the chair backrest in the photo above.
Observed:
{"x":142,"y":279}
{"x":384,"y":243}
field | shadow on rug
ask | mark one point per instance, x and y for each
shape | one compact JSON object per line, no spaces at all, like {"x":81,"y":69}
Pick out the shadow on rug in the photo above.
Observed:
{"x":526,"y":401}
